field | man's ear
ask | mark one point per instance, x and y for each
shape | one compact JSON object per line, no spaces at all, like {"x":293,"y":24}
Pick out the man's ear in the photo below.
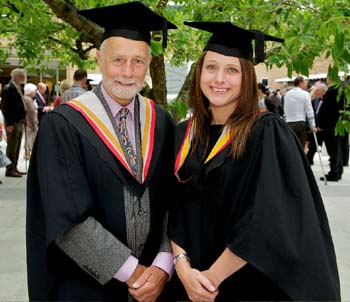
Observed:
{"x":98,"y":57}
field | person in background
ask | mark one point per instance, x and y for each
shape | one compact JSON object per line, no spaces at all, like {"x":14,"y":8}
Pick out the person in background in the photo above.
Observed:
{"x":96,"y":228}
{"x":31,"y":126}
{"x":79,"y":78}
{"x":4,"y":160}
{"x":327,"y":118}
{"x":318,"y":92}
{"x":298,"y":108}
{"x":262,"y":95}
{"x":88,"y":86}
{"x":14,"y":109}
{"x":249,"y":223}
{"x":39,"y":98}
{"x":265,"y":102}
{"x":276,"y":94}
{"x":345,"y":144}
{"x":63,"y":88}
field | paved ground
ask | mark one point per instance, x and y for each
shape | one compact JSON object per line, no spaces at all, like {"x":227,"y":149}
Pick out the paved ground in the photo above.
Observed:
{"x":12,"y":226}
{"x":13,"y":282}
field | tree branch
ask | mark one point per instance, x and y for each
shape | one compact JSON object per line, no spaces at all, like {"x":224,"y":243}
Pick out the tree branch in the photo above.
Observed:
{"x":12,"y":7}
{"x":68,"y":12}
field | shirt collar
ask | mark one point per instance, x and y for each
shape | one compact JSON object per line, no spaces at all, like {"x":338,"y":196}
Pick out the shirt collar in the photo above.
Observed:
{"x":15,"y":84}
{"x":115,"y":106}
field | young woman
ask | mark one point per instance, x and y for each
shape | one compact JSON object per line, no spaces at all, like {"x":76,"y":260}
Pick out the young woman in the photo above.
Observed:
{"x":249,"y":222}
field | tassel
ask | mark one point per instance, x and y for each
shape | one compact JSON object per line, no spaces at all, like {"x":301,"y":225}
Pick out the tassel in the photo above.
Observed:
{"x":259,"y":47}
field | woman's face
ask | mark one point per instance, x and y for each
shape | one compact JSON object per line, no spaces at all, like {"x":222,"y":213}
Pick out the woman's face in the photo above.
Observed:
{"x":221,"y":80}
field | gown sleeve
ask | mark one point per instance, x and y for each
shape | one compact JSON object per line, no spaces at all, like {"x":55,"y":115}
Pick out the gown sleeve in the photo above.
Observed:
{"x":94,"y":249}
{"x":284,"y":233}
{"x":60,"y":203}
{"x":65,"y":195}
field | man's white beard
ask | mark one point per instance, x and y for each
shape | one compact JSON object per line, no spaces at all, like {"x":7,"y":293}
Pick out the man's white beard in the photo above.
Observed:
{"x":120,"y":91}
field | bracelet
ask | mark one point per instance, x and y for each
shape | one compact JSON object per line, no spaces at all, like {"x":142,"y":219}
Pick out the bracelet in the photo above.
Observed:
{"x":179,"y":256}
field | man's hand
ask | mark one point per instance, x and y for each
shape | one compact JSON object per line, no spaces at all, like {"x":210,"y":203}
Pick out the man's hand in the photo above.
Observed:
{"x":136,"y":274}
{"x":47,"y":108}
{"x":149,"y":285}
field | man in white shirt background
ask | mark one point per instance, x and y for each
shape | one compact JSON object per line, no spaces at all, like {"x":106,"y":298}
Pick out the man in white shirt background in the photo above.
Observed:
{"x":298,"y":108}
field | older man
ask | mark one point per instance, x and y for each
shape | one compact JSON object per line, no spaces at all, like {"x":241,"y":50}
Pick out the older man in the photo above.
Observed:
{"x":39,"y":97}
{"x":14,"y":111}
{"x":327,"y":118}
{"x":320,"y":91}
{"x":95,"y":225}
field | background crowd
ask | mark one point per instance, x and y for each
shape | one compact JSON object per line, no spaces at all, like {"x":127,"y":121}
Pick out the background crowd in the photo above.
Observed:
{"x":313,"y":107}
{"x":23,"y":106}
{"x":98,"y":228}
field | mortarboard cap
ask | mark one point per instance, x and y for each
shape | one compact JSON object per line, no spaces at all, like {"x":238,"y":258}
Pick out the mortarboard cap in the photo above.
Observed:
{"x":231,"y":40}
{"x":131,"y":20}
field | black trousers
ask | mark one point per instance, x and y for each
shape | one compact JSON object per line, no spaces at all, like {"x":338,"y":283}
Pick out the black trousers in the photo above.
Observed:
{"x":346,"y":150}
{"x":299,"y":130}
{"x":14,"y":139}
{"x":334,"y":145}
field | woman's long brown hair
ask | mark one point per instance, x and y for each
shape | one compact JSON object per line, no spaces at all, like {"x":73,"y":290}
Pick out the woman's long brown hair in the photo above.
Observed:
{"x":241,"y":119}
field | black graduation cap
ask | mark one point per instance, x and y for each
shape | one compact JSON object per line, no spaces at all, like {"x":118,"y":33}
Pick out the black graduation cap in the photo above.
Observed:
{"x":231,"y":40}
{"x":131,"y":20}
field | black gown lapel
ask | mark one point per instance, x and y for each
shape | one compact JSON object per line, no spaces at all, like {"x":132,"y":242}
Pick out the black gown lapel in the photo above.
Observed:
{"x":79,"y":122}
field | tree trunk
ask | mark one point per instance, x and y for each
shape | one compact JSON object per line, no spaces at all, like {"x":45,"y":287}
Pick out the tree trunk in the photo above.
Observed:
{"x":177,"y":109}
{"x":183,"y":93}
{"x":157,"y":70}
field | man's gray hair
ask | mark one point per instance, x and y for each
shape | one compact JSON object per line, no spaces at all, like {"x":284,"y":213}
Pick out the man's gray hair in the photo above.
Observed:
{"x":322,"y":86}
{"x":16,"y":72}
{"x":42,"y":85}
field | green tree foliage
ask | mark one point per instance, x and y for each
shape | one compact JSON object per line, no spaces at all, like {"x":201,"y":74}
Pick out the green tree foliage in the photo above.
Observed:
{"x":41,"y":30}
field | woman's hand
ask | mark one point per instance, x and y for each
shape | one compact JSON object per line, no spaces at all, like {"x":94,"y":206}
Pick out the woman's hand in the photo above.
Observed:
{"x":226,"y":265}
{"x":215,"y":280}
{"x":197,"y":285}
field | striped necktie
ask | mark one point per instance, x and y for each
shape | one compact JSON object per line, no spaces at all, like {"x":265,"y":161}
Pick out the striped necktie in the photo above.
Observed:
{"x":130,"y":152}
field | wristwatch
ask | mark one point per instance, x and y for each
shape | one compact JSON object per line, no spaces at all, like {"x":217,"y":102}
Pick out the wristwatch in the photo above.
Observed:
{"x":179,"y":256}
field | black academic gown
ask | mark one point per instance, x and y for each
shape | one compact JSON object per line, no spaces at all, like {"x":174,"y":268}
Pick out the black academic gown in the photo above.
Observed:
{"x":267,"y":209}
{"x":72,"y":176}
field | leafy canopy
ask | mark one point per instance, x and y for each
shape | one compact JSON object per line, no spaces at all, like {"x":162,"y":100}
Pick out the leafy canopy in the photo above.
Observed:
{"x":45,"y":29}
